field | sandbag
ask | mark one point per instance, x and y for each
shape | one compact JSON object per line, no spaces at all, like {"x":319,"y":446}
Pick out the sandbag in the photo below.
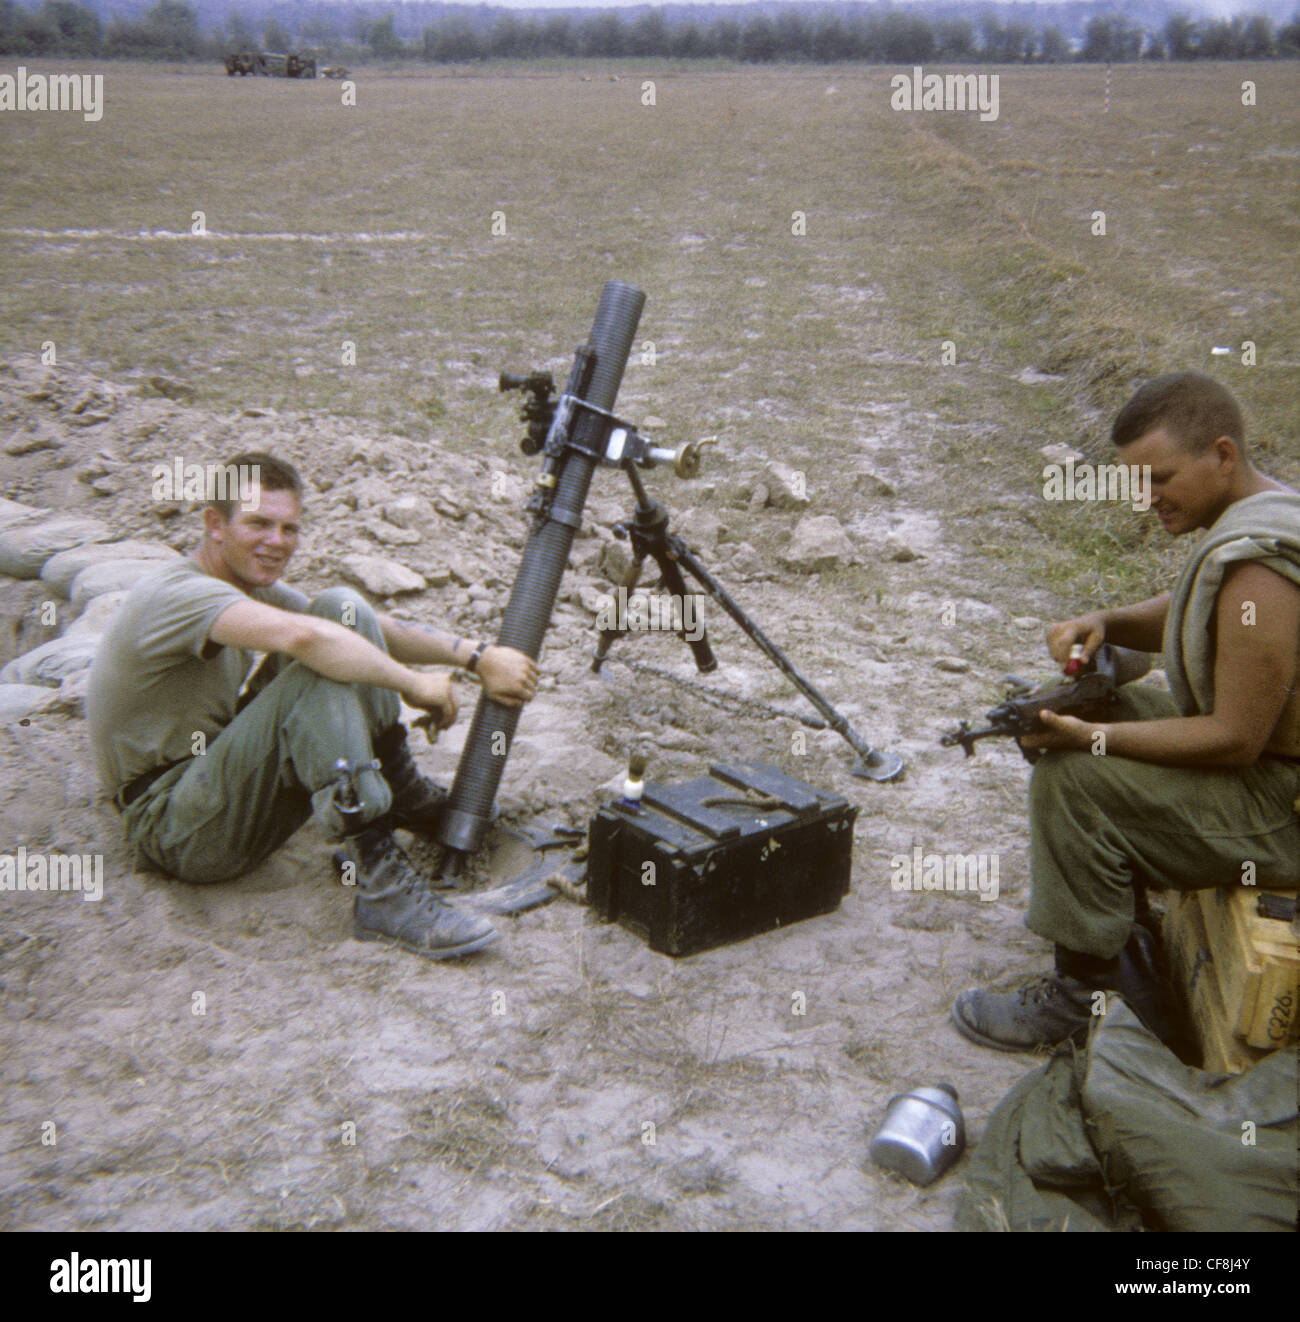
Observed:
{"x":60,"y":569}
{"x":52,"y":662}
{"x":98,"y":613}
{"x":25,"y":546}
{"x":18,"y":700}
{"x":13,"y":511}
{"x":25,"y":621}
{"x":111,"y":576}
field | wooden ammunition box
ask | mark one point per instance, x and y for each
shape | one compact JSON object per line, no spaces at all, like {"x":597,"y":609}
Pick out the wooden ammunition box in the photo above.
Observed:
{"x":720,"y":858}
{"x":1257,"y":964}
{"x":1239,"y":973}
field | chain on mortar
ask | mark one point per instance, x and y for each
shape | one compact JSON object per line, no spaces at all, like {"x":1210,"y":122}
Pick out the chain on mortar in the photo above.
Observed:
{"x":731,"y":703}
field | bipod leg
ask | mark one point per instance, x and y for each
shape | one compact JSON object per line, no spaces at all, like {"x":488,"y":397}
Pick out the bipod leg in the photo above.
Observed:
{"x":873,"y":764}
{"x":650,"y":537}
{"x":705,"y":661}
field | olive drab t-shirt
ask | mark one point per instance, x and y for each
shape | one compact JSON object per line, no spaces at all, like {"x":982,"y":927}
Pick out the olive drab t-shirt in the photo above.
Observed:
{"x":158,"y":680}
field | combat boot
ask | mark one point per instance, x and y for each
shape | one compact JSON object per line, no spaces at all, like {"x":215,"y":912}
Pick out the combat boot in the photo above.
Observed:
{"x":1043,"y":1012}
{"x":1144,"y":983}
{"x":394,"y":905}
{"x":418,"y":802}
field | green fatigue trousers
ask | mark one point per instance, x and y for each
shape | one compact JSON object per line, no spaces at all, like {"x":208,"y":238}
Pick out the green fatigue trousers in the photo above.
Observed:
{"x":1100,"y":824}
{"x":215,"y":816}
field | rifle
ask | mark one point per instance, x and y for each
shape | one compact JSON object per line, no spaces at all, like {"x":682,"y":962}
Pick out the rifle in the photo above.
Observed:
{"x":1090,"y":697}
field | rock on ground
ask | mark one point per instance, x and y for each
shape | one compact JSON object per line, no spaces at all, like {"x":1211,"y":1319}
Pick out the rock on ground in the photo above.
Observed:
{"x":819,"y":543}
{"x":383,"y":577}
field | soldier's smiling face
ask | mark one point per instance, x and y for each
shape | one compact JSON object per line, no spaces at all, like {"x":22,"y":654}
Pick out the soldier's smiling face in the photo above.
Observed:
{"x":255,"y":545}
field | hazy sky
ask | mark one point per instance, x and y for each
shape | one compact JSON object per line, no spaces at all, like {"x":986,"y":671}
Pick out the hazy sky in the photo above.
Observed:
{"x":1215,"y":7}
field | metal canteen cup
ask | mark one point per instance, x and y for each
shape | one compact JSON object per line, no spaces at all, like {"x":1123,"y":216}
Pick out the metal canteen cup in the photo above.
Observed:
{"x":922,"y":1134}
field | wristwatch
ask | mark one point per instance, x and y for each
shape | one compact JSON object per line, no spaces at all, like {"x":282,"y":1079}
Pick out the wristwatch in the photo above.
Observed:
{"x":472,"y":664}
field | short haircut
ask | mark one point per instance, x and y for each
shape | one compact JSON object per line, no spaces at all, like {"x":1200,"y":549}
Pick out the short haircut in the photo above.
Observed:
{"x":272,"y":474}
{"x":1193,"y":408}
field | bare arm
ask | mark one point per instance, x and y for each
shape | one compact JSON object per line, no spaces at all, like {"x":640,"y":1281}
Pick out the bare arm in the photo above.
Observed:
{"x":508,"y":676}
{"x":1257,"y":650}
{"x":1140,"y":626}
{"x":417,"y":645}
{"x":333,"y":651}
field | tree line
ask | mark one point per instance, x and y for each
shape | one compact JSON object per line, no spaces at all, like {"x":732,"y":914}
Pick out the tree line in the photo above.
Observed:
{"x":169,"y":30}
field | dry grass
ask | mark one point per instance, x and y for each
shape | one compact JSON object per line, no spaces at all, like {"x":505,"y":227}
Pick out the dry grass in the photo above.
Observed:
{"x":690,"y":198}
{"x":467,"y":1128}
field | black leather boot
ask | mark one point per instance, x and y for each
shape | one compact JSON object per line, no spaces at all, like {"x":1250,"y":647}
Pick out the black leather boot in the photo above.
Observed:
{"x":394,"y":905}
{"x":418,"y":802}
{"x":1060,"y":1005}
{"x":1041,"y":1013}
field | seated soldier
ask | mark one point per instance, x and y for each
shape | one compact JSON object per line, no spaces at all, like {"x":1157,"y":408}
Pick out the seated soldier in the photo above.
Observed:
{"x":1197,"y":787}
{"x":208,"y":786}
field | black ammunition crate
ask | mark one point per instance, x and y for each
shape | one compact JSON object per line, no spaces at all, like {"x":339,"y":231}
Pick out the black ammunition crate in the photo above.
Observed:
{"x":716,"y":860}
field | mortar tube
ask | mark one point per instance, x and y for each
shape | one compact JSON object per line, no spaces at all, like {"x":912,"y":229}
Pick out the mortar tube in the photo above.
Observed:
{"x":532,"y":598}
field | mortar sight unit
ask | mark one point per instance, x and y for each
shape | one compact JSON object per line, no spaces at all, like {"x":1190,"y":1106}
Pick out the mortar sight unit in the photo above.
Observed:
{"x":622,"y":444}
{"x":575,"y":433}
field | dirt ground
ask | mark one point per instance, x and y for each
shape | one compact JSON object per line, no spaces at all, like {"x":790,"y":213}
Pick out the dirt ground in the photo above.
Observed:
{"x":229,"y":1057}
{"x":514,"y":1089}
